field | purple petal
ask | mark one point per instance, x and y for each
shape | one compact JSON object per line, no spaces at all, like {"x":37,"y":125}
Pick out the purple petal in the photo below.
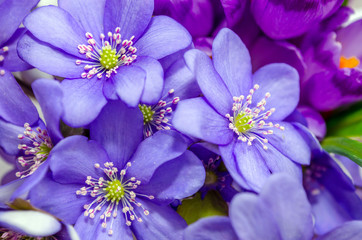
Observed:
{"x":290,"y":143}
{"x":9,"y":140}
{"x":154,"y":151}
{"x":162,"y":37}
{"x":282,"y":82}
{"x":63,"y":32}
{"x":48,"y":59}
{"x":315,"y":121}
{"x":73,"y":159}
{"x":233,"y":10}
{"x":12,"y":61}
{"x":7,"y":190}
{"x":49,"y":96}
{"x":129,"y":82}
{"x":210,"y":82}
{"x":176,"y":179}
{"x":83,"y":100}
{"x":15,"y":106}
{"x":131,"y":16}
{"x":31,"y":222}
{"x":210,"y":228}
{"x":350,"y":37}
{"x":12,"y":13}
{"x":281,"y":19}
{"x":154,"y":79}
{"x":196,"y":118}
{"x":62,"y":200}
{"x":89,"y":14}
{"x":232,"y":61}
{"x":119,"y":129}
{"x":162,"y":223}
{"x":90,"y":229}
{"x":349,"y":231}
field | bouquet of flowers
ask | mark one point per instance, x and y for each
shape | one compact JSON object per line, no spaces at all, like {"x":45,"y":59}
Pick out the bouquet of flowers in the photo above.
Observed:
{"x":180,"y":120}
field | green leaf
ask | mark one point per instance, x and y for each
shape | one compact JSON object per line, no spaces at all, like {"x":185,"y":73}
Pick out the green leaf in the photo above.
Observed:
{"x":195,"y":208}
{"x":347,"y":124}
{"x":345,"y":3}
{"x":345,"y":146}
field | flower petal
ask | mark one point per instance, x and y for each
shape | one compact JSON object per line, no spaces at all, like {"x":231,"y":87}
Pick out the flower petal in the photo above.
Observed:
{"x":31,"y":222}
{"x":48,"y":59}
{"x":49,"y":95}
{"x":162,"y":37}
{"x":349,"y":231}
{"x":131,"y":16}
{"x":73,"y":159}
{"x":154,"y":79}
{"x":154,"y":151}
{"x":7,"y":190}
{"x":282,"y":82}
{"x":119,"y":130}
{"x":232,"y":61}
{"x":83,"y":100}
{"x":89,"y":13}
{"x":9,"y":140}
{"x":12,"y":13}
{"x":129,"y":82}
{"x":210,"y":82}
{"x":176,"y":179}
{"x":63,"y":32}
{"x":210,"y":228}
{"x":196,"y":118}
{"x":15,"y":106}
{"x":162,"y":223}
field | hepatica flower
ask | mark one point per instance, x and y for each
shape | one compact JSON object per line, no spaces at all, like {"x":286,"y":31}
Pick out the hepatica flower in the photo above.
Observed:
{"x":243,"y":112}
{"x":116,"y":185}
{"x":106,"y":49}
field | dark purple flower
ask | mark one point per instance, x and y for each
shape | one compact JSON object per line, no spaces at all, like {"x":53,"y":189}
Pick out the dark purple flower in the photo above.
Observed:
{"x":12,"y":13}
{"x":281,"y":211}
{"x":281,"y":19}
{"x":107,"y":49}
{"x":118,"y":185}
{"x":235,"y":108}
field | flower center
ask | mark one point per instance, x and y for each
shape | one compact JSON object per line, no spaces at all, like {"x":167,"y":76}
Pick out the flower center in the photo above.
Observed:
{"x":112,"y":194}
{"x":351,"y":62}
{"x":11,"y":235}
{"x":36,"y":149}
{"x":248,"y":123}
{"x":211,"y":178}
{"x":157,"y":117}
{"x":3,"y":50}
{"x":106,"y":55}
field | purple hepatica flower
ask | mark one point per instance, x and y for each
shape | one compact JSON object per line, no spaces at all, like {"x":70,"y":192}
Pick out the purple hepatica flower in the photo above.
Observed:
{"x":333,"y":74}
{"x":251,"y":148}
{"x":118,"y":186}
{"x":281,"y":19}
{"x":12,"y":13}
{"x":32,"y":145}
{"x":331,"y":193}
{"x":35,"y":225}
{"x":107,"y":49}
{"x":281,"y":211}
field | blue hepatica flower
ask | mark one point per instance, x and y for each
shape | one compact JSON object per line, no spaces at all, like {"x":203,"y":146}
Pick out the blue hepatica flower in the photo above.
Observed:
{"x":243,"y":112}
{"x":12,"y":13}
{"x":117,"y":185}
{"x":106,"y":49}
{"x":281,"y":211}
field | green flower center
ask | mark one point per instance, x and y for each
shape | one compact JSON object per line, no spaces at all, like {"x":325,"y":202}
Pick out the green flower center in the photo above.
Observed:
{"x":115,"y":191}
{"x":44,"y":149}
{"x":211,"y":178}
{"x":147,"y":113}
{"x":109,"y":58}
{"x":241,"y":122}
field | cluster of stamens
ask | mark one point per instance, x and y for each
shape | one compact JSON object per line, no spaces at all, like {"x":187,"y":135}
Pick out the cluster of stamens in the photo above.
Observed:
{"x":36,"y":149}
{"x":2,"y":51}
{"x":211,"y":169}
{"x":114,"y":193}
{"x":158,"y":116}
{"x":11,"y":235}
{"x":312,"y":174}
{"x":107,"y":57}
{"x":249,"y":123}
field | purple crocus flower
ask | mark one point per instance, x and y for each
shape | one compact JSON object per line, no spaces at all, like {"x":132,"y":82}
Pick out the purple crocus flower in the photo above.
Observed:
{"x":235,"y":108}
{"x":30,"y":224}
{"x":281,"y":211}
{"x":106,"y":49}
{"x":12,"y":13}
{"x":281,"y":19}
{"x":115,"y":186}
